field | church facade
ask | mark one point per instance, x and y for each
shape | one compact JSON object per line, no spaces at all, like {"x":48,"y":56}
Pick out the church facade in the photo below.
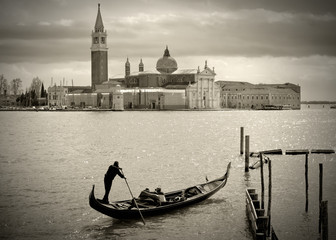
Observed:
{"x":168,"y":87}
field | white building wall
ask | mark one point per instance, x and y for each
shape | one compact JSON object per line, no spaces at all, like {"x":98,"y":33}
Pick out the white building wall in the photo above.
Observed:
{"x":117,"y":101}
{"x":205,"y":93}
{"x":174,"y":100}
{"x":257,"y":98}
{"x":81,"y":99}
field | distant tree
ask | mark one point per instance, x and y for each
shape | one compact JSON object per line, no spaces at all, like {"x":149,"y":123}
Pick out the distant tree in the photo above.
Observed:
{"x":25,"y":99}
{"x":20,"y":99}
{"x":33,"y":98}
{"x":2,"y":79}
{"x":36,"y":85}
{"x":3,"y":85}
{"x":16,"y":85}
{"x":43,"y":92}
{"x":6,"y":88}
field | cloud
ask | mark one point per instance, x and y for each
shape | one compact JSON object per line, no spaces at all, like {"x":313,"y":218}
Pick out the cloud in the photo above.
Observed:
{"x":298,"y":6}
{"x":54,"y":34}
{"x":256,"y":32}
{"x":44,"y":23}
{"x":225,"y":28}
{"x":64,"y":22}
{"x":143,"y":18}
{"x":44,"y":51}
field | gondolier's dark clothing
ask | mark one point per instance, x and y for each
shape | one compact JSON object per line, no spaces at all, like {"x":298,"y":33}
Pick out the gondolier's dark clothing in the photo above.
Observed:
{"x":109,"y":176}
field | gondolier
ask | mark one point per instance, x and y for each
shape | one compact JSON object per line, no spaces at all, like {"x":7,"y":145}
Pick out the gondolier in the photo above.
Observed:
{"x":112,"y":171}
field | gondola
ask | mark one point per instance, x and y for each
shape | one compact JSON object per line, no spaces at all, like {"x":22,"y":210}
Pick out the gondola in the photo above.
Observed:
{"x":128,"y":209}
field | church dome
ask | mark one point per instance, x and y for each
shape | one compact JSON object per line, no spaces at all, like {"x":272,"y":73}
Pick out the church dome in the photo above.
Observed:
{"x":166,"y":64}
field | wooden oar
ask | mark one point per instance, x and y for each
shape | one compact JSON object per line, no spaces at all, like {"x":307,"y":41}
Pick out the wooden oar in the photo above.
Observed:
{"x":143,"y":220}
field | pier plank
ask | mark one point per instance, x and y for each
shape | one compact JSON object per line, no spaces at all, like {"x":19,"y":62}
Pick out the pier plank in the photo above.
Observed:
{"x":297,"y":152}
{"x":272,"y":152}
{"x":322,"y":151}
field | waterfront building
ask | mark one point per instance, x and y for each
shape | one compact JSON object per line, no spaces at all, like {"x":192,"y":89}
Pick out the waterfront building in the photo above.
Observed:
{"x":243,"y":95}
{"x":59,"y":96}
{"x":56,"y":95}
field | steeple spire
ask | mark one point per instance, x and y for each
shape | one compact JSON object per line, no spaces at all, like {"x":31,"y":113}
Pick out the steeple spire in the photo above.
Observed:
{"x":99,"y":26}
{"x":166,"y":52}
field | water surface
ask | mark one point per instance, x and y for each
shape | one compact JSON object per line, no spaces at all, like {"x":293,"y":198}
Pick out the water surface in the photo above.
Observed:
{"x":50,"y":160}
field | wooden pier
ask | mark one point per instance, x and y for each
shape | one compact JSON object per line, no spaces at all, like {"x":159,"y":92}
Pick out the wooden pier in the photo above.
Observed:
{"x":260,"y":223}
{"x":256,"y":215}
{"x":292,"y":152}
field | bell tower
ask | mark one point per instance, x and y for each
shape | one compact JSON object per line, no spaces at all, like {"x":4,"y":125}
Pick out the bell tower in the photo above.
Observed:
{"x":99,"y":64}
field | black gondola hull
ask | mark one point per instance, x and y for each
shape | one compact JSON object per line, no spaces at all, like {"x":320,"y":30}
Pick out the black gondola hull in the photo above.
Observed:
{"x":133,"y":213}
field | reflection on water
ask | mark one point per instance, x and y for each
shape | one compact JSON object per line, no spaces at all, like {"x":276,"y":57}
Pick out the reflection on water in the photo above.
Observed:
{"x":247,"y":179}
{"x":50,"y":160}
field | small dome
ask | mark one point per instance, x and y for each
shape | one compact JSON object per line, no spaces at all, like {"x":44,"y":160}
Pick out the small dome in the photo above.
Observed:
{"x":166,"y":64}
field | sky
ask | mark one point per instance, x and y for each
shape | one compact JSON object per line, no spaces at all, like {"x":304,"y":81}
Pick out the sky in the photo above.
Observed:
{"x":256,"y":41}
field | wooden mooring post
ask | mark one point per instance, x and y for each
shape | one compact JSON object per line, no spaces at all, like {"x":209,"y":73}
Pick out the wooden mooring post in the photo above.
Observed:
{"x":247,"y":152}
{"x":262,"y":181}
{"x":306,"y":180}
{"x":324,"y":220}
{"x":302,"y":152}
{"x":241,"y":140}
{"x":320,"y":193}
{"x":269,"y":230}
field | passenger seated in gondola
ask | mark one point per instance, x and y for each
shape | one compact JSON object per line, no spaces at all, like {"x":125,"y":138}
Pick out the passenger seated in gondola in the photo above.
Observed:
{"x":148,"y":196}
{"x":160,"y":194}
